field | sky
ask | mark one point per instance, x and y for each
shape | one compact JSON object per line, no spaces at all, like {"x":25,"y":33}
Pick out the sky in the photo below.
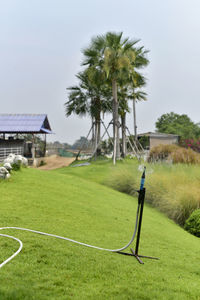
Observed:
{"x":40,"y":54}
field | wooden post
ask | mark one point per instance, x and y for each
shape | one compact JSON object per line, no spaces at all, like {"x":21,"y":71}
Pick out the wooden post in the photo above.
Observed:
{"x":45,"y":144}
{"x":33,"y":146}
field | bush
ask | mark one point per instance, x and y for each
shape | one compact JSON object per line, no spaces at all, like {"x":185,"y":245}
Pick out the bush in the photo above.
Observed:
{"x":42,"y":163}
{"x":173,"y":153}
{"x":194,"y":144}
{"x":193,"y":223}
{"x":16,"y":167}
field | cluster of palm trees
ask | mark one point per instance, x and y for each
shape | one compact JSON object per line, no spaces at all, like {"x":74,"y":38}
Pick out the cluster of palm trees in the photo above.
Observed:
{"x":110,"y":78}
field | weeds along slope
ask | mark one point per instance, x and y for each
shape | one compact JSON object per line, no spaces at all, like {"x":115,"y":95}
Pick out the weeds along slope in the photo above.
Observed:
{"x":173,"y":189}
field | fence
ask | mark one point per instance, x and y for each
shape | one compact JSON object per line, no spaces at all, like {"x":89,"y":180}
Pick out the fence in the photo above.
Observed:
{"x":4,"y":152}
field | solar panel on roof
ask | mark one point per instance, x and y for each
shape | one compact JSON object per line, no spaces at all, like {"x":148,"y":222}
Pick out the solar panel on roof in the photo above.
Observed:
{"x":23,"y":123}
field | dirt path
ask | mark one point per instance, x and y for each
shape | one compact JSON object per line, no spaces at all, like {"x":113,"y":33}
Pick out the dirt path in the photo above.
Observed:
{"x":55,"y":162}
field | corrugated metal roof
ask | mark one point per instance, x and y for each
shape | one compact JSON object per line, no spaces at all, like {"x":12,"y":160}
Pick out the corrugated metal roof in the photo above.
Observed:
{"x":157,"y":134}
{"x":24,"y":123}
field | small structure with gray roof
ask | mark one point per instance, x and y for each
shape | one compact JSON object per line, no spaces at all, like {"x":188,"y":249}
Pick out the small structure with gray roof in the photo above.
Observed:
{"x":157,"y":138}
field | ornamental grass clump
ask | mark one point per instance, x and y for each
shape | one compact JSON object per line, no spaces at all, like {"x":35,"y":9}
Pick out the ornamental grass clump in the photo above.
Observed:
{"x":161,"y":152}
{"x":174,"y":154}
{"x":124,"y":179}
{"x":173,"y":189}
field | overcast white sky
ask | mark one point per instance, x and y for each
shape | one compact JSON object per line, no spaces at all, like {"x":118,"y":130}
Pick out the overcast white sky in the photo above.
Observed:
{"x":40,"y":53}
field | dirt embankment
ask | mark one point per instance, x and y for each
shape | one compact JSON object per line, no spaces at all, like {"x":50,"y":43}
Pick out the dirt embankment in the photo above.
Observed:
{"x":55,"y":162}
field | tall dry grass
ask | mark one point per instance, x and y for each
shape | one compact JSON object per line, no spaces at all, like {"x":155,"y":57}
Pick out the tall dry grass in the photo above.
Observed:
{"x":173,"y":189}
{"x":175,"y":154}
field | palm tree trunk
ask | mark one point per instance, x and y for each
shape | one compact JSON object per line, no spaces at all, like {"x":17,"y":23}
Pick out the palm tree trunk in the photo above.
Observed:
{"x":93,"y":134}
{"x":115,"y":123}
{"x":98,"y":122}
{"x":134,"y":121}
{"x":96,"y":137}
{"x":124,"y":146}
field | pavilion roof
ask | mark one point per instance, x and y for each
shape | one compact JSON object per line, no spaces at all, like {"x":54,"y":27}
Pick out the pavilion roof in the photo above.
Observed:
{"x":24,"y":123}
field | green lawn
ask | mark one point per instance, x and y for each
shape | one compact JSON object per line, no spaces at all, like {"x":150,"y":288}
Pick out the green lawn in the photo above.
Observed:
{"x":72,"y":202}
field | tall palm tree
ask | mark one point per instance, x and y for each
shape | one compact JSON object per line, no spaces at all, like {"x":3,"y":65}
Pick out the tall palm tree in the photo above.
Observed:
{"x":114,"y":56}
{"x":117,"y":58}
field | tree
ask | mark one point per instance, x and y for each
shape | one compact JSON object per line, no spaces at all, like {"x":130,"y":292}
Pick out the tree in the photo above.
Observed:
{"x":136,"y":94}
{"x":130,"y":91}
{"x":117,"y":58}
{"x":89,"y":97}
{"x":79,"y":143}
{"x":123,"y":110}
{"x":177,"y":124}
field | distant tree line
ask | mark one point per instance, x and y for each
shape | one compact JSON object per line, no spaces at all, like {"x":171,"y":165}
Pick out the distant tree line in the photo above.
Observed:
{"x":75,"y":146}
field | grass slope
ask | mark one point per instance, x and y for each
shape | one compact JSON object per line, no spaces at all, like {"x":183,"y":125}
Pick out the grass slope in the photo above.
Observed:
{"x":68,"y":205}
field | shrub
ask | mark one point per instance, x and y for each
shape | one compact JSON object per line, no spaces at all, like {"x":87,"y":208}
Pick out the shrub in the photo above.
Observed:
{"x":193,"y":223}
{"x":42,"y":163}
{"x":16,"y":167}
{"x":194,"y":144}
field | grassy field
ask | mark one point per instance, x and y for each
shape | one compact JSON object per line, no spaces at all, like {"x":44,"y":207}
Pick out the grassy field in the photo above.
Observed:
{"x":72,"y":202}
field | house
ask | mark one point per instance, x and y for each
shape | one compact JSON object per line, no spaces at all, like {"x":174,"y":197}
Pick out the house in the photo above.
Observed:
{"x":156,"y":138}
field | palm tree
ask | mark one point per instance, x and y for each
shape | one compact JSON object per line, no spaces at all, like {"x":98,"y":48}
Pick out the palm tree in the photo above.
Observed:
{"x":123,"y":109}
{"x":117,"y":58}
{"x":135,"y":94}
{"x":88,"y":98}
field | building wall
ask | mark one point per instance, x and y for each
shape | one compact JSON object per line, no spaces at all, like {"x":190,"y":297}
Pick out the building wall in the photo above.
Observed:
{"x":155,"y":141}
{"x":11,"y":143}
{"x":11,"y":146}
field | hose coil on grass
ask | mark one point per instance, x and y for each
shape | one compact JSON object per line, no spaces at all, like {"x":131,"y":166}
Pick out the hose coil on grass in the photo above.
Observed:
{"x":62,"y":238}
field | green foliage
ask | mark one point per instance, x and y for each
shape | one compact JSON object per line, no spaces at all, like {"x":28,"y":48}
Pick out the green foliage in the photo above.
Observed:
{"x":116,"y":56}
{"x":92,"y":96}
{"x":174,"y":154}
{"x":107,"y":146}
{"x":144,"y":141}
{"x":178,"y":124}
{"x":193,"y":144}
{"x":78,"y":144}
{"x":16,"y":167}
{"x":110,"y":79}
{"x":42,"y":163}
{"x":193,"y":223}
